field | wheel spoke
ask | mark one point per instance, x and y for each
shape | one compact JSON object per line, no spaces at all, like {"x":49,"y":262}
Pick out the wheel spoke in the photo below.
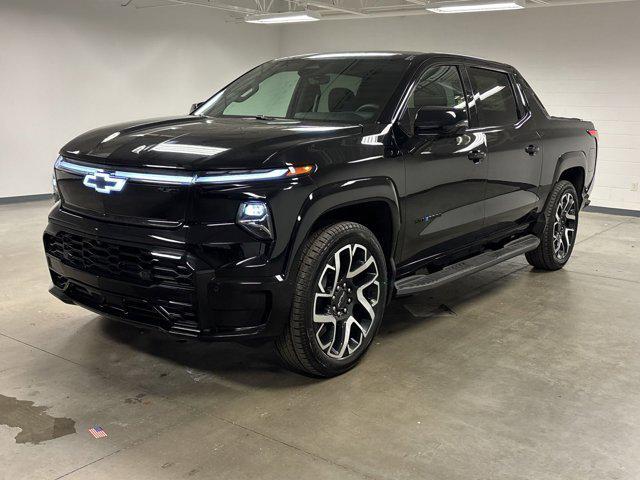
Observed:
{"x":319,"y":318}
{"x":361,"y":335}
{"x":557,"y":244}
{"x":342,"y":267}
{"x":361,"y":268}
{"x":321,"y":280}
{"x":366,"y":303}
{"x":322,"y":330}
{"x":568,"y":204}
{"x":345,"y":338}
{"x":568,"y":231}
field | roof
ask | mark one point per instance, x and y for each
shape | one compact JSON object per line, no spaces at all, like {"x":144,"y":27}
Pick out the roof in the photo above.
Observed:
{"x":408,"y":55}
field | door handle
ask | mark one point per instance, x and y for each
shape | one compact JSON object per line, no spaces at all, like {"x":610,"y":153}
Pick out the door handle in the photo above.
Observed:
{"x":532,"y":149}
{"x":476,"y":156}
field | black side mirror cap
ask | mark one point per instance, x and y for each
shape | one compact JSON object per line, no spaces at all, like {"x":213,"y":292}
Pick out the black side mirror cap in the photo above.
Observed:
{"x":440,"y":121}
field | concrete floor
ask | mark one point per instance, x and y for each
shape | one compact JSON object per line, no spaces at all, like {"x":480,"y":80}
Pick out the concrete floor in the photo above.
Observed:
{"x":509,"y":374}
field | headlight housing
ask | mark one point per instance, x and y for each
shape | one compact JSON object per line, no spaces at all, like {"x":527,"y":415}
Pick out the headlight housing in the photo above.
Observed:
{"x":254,"y":216}
{"x":254,"y":175}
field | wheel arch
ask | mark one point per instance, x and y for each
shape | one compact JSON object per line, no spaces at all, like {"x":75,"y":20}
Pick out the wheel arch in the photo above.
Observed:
{"x":572,"y":166}
{"x":372,"y":202}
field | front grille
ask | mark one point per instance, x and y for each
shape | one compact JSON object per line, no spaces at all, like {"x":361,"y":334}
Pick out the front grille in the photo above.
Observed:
{"x":121,"y":262}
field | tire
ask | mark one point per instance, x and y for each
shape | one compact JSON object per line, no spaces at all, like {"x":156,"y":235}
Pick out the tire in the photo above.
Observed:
{"x":561,"y":226}
{"x":331,"y":327}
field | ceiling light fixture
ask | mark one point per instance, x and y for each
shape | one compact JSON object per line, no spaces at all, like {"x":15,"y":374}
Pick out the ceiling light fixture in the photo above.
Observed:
{"x":484,"y":6}
{"x":284,"y":17}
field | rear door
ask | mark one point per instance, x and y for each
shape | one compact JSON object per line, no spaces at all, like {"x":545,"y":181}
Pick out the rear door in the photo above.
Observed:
{"x":445,"y":179}
{"x":514,"y":147}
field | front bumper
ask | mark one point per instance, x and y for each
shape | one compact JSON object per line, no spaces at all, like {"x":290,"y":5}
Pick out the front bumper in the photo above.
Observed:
{"x":156,"y":285}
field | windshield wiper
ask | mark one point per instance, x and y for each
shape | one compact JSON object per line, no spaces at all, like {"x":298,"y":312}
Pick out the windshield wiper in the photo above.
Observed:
{"x":263,"y":117}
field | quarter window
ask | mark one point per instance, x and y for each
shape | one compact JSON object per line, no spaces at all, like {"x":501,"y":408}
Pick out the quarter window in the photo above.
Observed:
{"x":494,"y":97}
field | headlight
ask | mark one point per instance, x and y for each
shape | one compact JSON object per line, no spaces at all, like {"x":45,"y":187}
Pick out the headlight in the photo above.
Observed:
{"x":254,"y":217}
{"x":255,"y":175}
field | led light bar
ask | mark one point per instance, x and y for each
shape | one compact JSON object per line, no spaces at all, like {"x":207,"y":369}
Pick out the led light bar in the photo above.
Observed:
{"x":222,"y":177}
{"x":243,"y":176}
{"x":67,"y":166}
{"x":284,"y":17}
{"x":481,"y":6}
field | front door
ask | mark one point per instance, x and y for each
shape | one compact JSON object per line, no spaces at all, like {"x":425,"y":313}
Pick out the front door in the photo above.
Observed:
{"x":445,"y":175}
{"x":514,"y":149}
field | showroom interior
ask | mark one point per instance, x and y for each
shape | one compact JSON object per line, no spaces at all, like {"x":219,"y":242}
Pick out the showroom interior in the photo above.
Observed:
{"x":509,"y":373}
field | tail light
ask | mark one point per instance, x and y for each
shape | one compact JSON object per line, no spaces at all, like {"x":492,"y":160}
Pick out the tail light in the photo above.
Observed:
{"x":593,"y":133}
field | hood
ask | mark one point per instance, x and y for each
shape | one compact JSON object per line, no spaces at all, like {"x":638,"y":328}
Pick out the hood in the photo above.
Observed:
{"x":200,"y":143}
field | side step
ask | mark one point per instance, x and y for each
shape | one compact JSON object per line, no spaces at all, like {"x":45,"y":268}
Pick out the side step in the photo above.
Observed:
{"x":419,"y":283}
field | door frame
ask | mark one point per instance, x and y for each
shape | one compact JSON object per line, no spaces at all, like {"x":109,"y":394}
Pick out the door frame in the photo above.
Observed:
{"x":525,"y":116}
{"x":401,"y":107}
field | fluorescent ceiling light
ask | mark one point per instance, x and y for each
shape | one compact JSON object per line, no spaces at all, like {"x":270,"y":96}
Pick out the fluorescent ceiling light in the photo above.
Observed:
{"x":483,"y":6}
{"x":285,"y":17}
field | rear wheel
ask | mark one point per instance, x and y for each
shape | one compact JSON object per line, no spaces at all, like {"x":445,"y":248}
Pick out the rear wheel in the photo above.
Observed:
{"x":561,"y":226}
{"x":338,"y":301}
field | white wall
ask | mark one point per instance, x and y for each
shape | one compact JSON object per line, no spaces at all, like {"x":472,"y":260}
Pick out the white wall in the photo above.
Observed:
{"x":583,"y":61}
{"x":67,"y":66}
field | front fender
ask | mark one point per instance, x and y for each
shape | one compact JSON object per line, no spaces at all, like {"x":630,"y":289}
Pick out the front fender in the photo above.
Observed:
{"x":341,"y":194}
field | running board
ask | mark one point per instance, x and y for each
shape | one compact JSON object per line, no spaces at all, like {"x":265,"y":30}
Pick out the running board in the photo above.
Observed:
{"x":419,"y":283}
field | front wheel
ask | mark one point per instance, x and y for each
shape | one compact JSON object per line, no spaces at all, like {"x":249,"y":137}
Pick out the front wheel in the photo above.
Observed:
{"x":561,"y":226}
{"x":338,"y":301}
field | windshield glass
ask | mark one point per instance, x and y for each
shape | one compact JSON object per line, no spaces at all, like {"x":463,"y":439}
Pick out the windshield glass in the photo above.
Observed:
{"x":320,"y":87}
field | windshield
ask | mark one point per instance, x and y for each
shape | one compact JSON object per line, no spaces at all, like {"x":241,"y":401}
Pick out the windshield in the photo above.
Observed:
{"x":320,"y":87}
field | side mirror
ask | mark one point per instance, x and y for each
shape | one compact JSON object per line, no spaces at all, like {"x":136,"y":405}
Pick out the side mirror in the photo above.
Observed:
{"x":195,"y":106}
{"x":440,"y":121}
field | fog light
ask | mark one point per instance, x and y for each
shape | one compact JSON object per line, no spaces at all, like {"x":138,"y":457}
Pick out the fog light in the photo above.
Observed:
{"x":254,"y":217}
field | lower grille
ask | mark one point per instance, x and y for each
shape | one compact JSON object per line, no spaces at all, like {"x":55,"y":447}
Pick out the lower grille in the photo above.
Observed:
{"x":169,"y":302}
{"x":122,"y":262}
{"x":178,"y":317}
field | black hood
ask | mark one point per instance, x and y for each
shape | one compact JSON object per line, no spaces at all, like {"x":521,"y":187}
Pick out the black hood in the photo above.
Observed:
{"x":200,"y":143}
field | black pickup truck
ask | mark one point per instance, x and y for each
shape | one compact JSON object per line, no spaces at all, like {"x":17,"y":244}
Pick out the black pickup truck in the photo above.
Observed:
{"x":298,"y":200}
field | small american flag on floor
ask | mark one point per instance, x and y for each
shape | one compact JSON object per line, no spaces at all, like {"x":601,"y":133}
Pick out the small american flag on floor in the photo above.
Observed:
{"x":97,"y":432}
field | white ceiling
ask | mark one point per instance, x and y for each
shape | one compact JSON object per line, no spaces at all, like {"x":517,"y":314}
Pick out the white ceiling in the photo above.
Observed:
{"x":328,"y":9}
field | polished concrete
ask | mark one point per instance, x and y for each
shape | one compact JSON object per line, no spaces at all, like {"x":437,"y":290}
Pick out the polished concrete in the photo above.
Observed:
{"x":509,"y":374}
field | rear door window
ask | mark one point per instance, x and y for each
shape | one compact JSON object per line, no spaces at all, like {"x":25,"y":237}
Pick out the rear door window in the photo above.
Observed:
{"x":494,"y":98}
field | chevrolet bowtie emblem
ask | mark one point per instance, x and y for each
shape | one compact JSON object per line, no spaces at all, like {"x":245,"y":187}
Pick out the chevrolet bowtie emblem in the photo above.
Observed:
{"x":102,"y":182}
